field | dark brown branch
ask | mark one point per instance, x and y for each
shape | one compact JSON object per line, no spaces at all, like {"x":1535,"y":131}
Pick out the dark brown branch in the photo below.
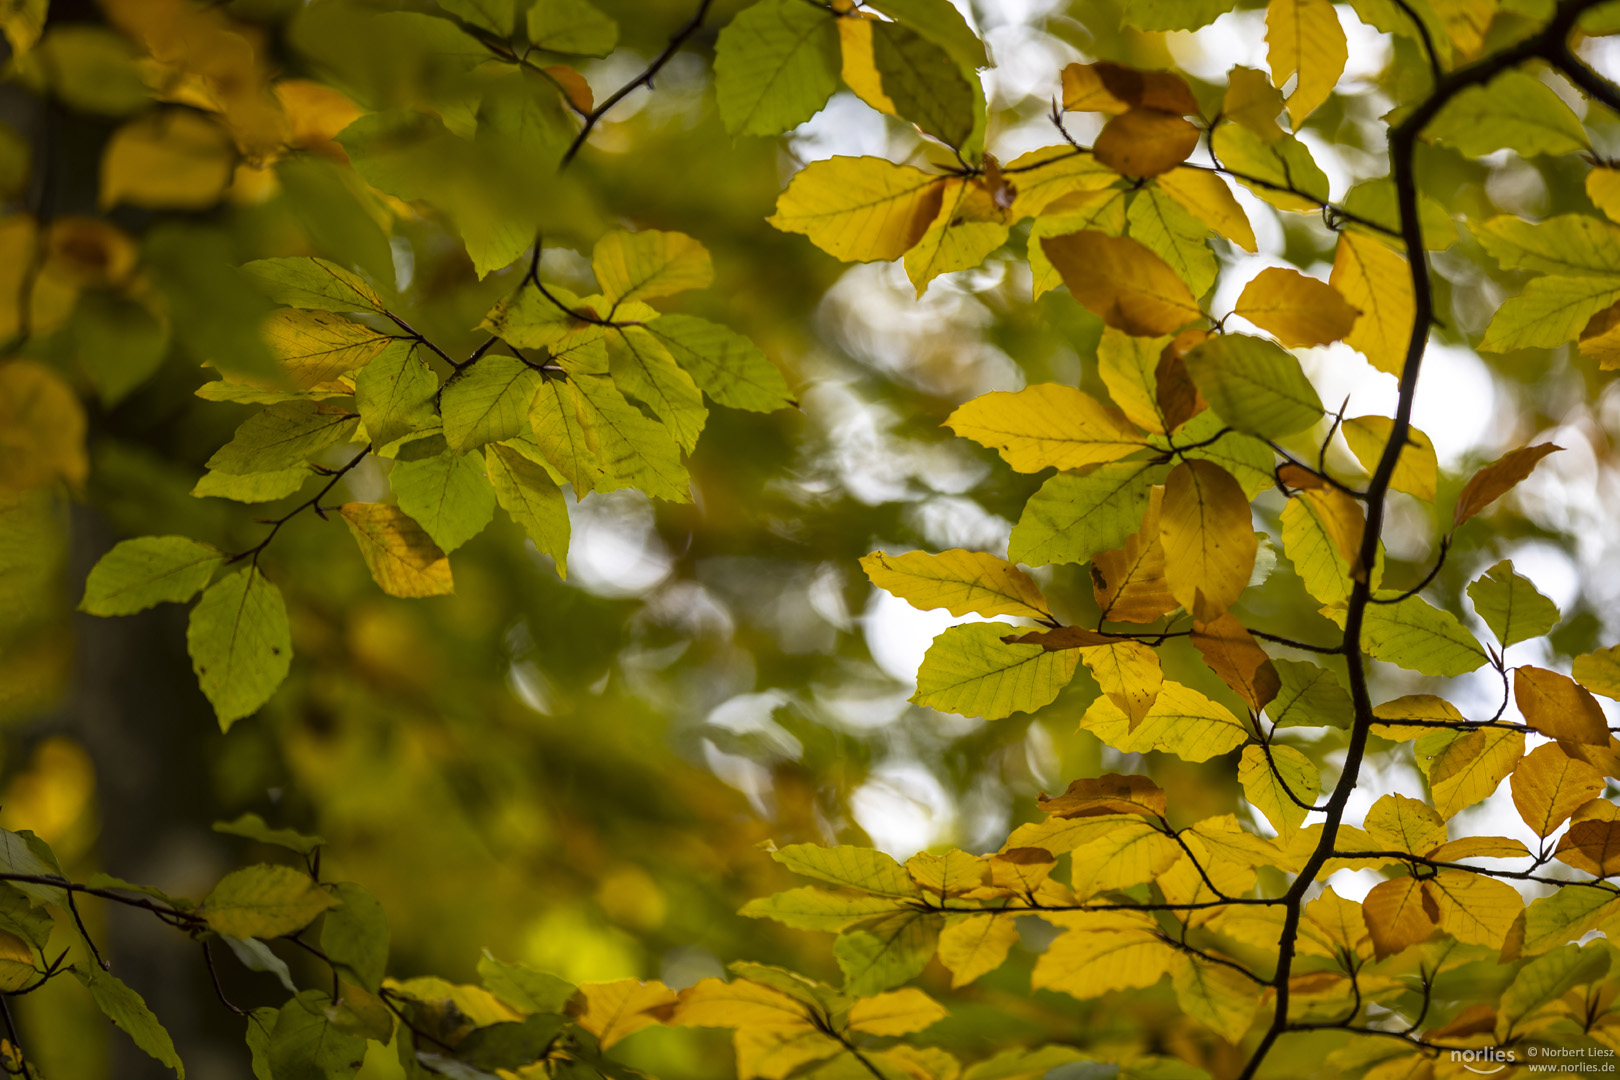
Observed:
{"x":1445,"y":546}
{"x":276,"y":523}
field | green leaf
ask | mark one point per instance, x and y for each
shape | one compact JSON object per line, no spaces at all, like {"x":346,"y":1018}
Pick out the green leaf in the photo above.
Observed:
{"x":19,"y":915}
{"x":1249,"y":460}
{"x":397,"y":395}
{"x":1175,"y":14}
{"x":530,"y":319}
{"x":1160,"y":224}
{"x":1023,"y":1064}
{"x":252,"y":487}
{"x":496,"y":16}
{"x":316,"y":347}
{"x":1283,"y":163}
{"x":284,"y":436}
{"x":727,"y":366}
{"x":24,"y":853}
{"x":1267,"y":784}
{"x":487,"y":402}
{"x":558,"y":420}
{"x":1547,"y":978}
{"x":1416,"y":635}
{"x":313,"y":283}
{"x":941,"y":22}
{"x":1309,"y":696}
{"x":527,"y":493}
{"x":970,"y":670}
{"x":1181,"y":721}
{"x":1514,"y":111}
{"x":524,"y":988}
{"x":645,"y":370}
{"x":252,"y":827}
{"x":925,"y":84}
{"x":1254,"y":385}
{"x":260,"y":1023}
{"x":572,"y":26}
{"x":125,"y":1008}
{"x":1511,"y":606}
{"x":648,"y":264}
{"x":240,"y":644}
{"x":886,"y":953}
{"x":511,"y":1043}
{"x":1549,"y":312}
{"x":264,"y":901}
{"x":1566,"y":914}
{"x":306,"y":1045}
{"x":1570,"y":245}
{"x":853,"y":867}
{"x":447,"y":494}
{"x":775,"y":66}
{"x":632,"y":450}
{"x":1077,"y":514}
{"x":810,"y":908}
{"x":137,"y":574}
{"x":355,"y":935}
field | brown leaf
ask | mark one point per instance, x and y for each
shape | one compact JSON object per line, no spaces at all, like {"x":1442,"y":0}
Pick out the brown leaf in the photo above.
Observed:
{"x":1557,"y":706}
{"x":1233,"y":654}
{"x":1122,"y":282}
{"x":1145,"y":142}
{"x":1497,"y":478}
{"x":1108,"y":794}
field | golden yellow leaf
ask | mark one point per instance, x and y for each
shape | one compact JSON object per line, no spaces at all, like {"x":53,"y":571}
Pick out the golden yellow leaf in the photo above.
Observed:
{"x":1321,"y":533}
{"x":1129,"y":368}
{"x":1128,"y":672}
{"x":740,"y":1003}
{"x":1417,"y":470}
{"x":951,"y":874}
{"x":1469,"y":768}
{"x":16,"y":963}
{"x":1557,"y":706}
{"x":1108,"y":794}
{"x":1474,"y":909}
{"x":1047,"y":425}
{"x":1129,"y":582}
{"x":1122,"y":282}
{"x":1126,"y":855}
{"x":1397,"y":823}
{"x":402,"y":558}
{"x":1603,"y":188}
{"x":1041,"y":177}
{"x":958,"y":581}
{"x":1112,"y":88}
{"x":1218,"y":996}
{"x":1233,"y":654}
{"x":969,"y":227}
{"x":1100,"y":211}
{"x":1085,"y":963}
{"x":648,"y":264}
{"x":1600,"y":338}
{"x":1466,"y":22}
{"x":315,"y":114}
{"x":1300,"y":311}
{"x":1549,"y":785}
{"x":1182,"y":722}
{"x":1377,"y":282}
{"x":1599,"y":671}
{"x":898,"y":1012}
{"x":971,"y":945}
{"x":1208,"y":535}
{"x":1398,"y":914}
{"x":860,"y":71}
{"x":1339,"y":920}
{"x":1145,"y":142}
{"x":1207,"y":197}
{"x":1277,"y":780}
{"x":1304,"y":38}
{"x":173,"y":159}
{"x":862,"y":209}
{"x":1253,"y":102}
{"x":1483,"y":847}
{"x":316,"y":347}
{"x":1497,"y":478}
{"x":612,"y":1010}
{"x":1023,"y":870}
{"x":1593,"y":840}
{"x":42,"y":429}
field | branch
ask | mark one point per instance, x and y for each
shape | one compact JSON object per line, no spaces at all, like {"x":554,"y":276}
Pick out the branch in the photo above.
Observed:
{"x":1445,"y":546}
{"x":277,"y":523}
{"x":1579,"y":73}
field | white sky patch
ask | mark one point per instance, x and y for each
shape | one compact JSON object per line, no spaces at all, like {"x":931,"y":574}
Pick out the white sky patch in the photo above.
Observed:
{"x":904,"y":809}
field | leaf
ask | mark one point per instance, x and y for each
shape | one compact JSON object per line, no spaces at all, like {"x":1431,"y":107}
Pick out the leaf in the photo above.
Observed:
{"x":1469,"y":768}
{"x":1127,"y":855}
{"x":313,"y":284}
{"x":1599,"y":671}
{"x":126,"y":1009}
{"x":315,"y":347}
{"x":961,"y":582}
{"x":1233,"y":654}
{"x":738,"y":1004}
{"x":1549,"y":312}
{"x":1514,"y":111}
{"x":1129,"y":582}
{"x":1115,"y":88}
{"x":923,"y":82}
{"x":354,"y":934}
{"x":240,"y":645}
{"x":306,"y":1045}
{"x":1474,"y":909}
{"x":1217,"y":996}
{"x":526,"y":492}
{"x":571,"y":26}
{"x":1418,"y":636}
{"x":886,"y":953}
{"x":1182,"y":722}
{"x":1267,"y":786}
{"x":1545,"y":979}
{"x":1570,"y":912}
{"x":1300,"y":311}
{"x":1549,"y":785}
{"x":402,"y":558}
{"x":1208,"y":538}
{"x":255,"y":955}
{"x":1399,"y":914}
{"x":1160,"y":224}
{"x":1129,"y":673}
{"x":631,"y":450}
{"x":1207,"y":197}
{"x":1378,"y":282}
{"x":900,"y":1012}
{"x":447,"y":494}
{"x":1086,"y":964}
{"x":617,"y":1009}
{"x":775,"y":65}
{"x":487,"y":402}
{"x":264,"y":901}
{"x":974,"y":945}
{"x":1255,"y":386}
{"x":524,"y":988}
{"x":1308,"y":696}
{"x":940,"y":22}
{"x":172,"y":159}
{"x":396,"y":395}
{"x":1398,"y":823}
{"x":1511,"y":606}
{"x":1569,"y":245}
{"x":558,"y":419}
{"x":137,"y":574}
{"x":252,"y":827}
{"x":1304,"y":38}
{"x":644,"y":369}
{"x":284,"y":436}
{"x":647,"y":264}
{"x":1145,"y":142}
{"x":727,"y":366}
{"x":1075,"y":515}
{"x":1110,"y":794}
{"x":1046,"y":426}
{"x":1497,"y":478}
{"x":968,"y":229}
{"x":809,"y":908}
{"x":1417,"y":471}
{"x":1321,"y":533}
{"x":863,"y":209}
{"x":1049,"y":175}
{"x":1099,"y":211}
{"x":1174,"y":14}
{"x":1558,"y":707}
{"x":1274,"y":166}
{"x":970,"y":670}
{"x":252,"y":487}
{"x":1122,"y":282}
{"x":852,"y":867}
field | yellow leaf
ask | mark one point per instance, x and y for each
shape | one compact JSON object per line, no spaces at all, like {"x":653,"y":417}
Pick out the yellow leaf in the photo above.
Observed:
{"x":898,"y":1012}
{"x":1321,"y":532}
{"x":740,"y":1003}
{"x":612,"y":1010}
{"x":1417,"y":471}
{"x":860,"y":71}
{"x":958,"y":581}
{"x":1207,"y":197}
{"x":316,"y":347}
{"x":1469,"y":769}
{"x":1549,"y":785}
{"x":1481,"y":847}
{"x":1474,"y":909}
{"x":22,"y":22}
{"x":1378,"y":283}
{"x":1024,"y":871}
{"x":1041,"y":177}
{"x":1110,"y":794}
{"x":1113,"y":88}
{"x":1208,"y":535}
{"x":1129,"y":582}
{"x":972,"y":945}
{"x":1100,"y":211}
{"x":1304,"y":38}
{"x":1466,"y":22}
{"x":1300,"y":311}
{"x":1182,"y":722}
{"x":647,"y":264}
{"x":774,"y":1053}
{"x":969,"y":227}
{"x":1233,"y":654}
{"x":1145,"y":142}
{"x":1129,"y":673}
{"x":1424,"y":707}
{"x":1600,"y":338}
{"x":265,"y":901}
{"x":1122,"y":282}
{"x":1398,"y":823}
{"x":17,"y":963}
{"x":1558,"y":707}
{"x":1599,"y":671}
{"x":1087,"y":964}
{"x":1593,"y":840}
{"x":42,"y":429}
{"x":1129,"y":368}
{"x":1497,"y":478}
{"x":862,"y":209}
{"x":1603,"y":188}
{"x":173,"y":159}
{"x":1268,"y":784}
{"x":971,"y":669}
{"x":1339,"y":920}
{"x":1047,"y":426}
{"x":1217,"y":996}
{"x":1398,"y":914}
{"x":1127,"y":855}
{"x":1253,"y":102}
{"x":402,"y":558}
{"x":951,"y":874}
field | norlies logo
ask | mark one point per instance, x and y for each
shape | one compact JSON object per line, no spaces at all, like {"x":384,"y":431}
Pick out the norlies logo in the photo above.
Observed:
{"x":1485,"y":1061}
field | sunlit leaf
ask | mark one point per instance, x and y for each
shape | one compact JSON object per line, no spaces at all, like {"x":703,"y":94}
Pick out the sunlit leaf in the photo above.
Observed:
{"x":1255,"y":386}
{"x":970,"y":670}
{"x":1122,"y":282}
{"x":240,"y":645}
{"x":958,"y":581}
{"x":775,"y":65}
